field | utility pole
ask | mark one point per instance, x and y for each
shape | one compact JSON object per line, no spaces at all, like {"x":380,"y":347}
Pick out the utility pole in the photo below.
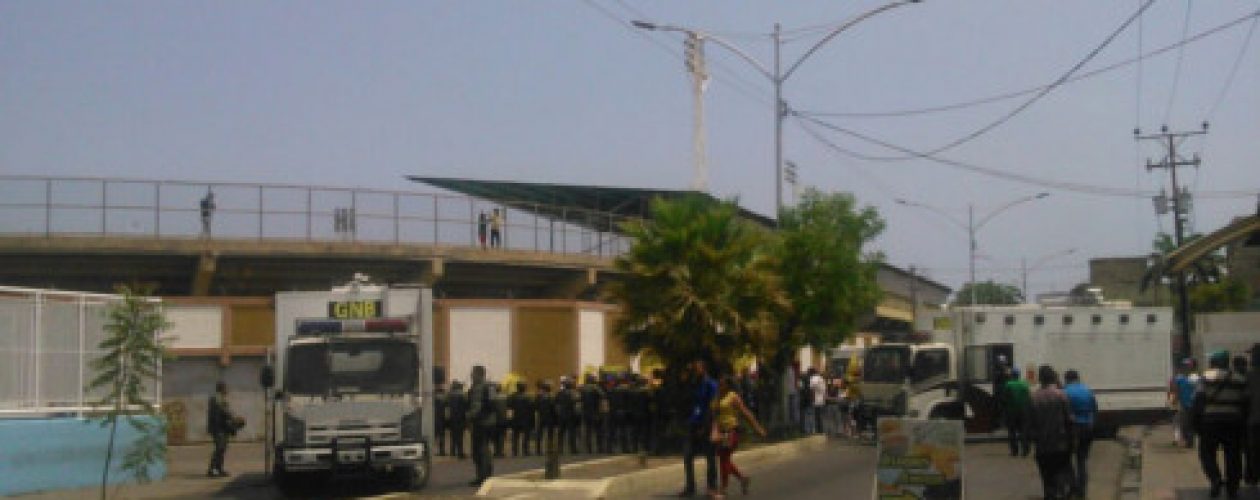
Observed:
{"x":777,"y":79}
{"x":1180,"y":201}
{"x":694,"y":48}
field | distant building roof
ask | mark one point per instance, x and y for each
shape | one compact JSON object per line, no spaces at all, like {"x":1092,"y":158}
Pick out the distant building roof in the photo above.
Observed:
{"x":574,"y":204}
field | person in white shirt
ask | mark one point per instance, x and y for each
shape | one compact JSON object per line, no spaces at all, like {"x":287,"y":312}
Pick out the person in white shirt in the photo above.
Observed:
{"x":818,"y":388}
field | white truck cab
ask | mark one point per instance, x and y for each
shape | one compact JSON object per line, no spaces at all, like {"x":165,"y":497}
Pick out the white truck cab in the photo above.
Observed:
{"x":353,"y":395}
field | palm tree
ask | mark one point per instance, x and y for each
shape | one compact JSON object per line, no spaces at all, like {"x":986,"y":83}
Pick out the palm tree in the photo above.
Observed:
{"x":697,"y":282}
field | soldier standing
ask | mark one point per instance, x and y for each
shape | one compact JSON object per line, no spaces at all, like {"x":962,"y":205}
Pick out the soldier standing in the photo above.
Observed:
{"x":567,"y":405}
{"x":641,"y":414}
{"x":521,"y":407}
{"x":545,"y":403}
{"x":619,"y":401}
{"x":482,"y":416}
{"x":501,"y":421}
{"x":457,"y":418}
{"x":439,"y":420}
{"x":592,"y":424}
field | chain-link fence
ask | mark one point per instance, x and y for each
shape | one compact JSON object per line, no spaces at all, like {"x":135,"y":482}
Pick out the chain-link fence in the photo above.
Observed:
{"x":48,"y":340}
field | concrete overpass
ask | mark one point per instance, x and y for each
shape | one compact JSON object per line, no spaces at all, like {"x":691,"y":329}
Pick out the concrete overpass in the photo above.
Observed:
{"x":241,"y":267}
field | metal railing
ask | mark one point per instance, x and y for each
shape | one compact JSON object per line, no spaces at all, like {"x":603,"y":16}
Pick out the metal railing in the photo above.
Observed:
{"x":76,"y":206}
{"x":48,"y":340}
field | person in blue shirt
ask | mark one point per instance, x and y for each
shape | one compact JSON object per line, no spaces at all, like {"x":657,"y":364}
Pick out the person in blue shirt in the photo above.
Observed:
{"x":1084,"y":408}
{"x":699,"y":421}
{"x":1182,"y":395}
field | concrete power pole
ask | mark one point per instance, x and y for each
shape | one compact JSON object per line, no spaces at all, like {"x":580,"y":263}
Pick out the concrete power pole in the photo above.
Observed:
{"x":694,"y":48}
{"x":1180,"y":202}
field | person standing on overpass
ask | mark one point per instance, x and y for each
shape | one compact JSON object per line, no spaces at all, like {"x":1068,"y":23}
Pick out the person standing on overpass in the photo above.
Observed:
{"x":207,"y":211}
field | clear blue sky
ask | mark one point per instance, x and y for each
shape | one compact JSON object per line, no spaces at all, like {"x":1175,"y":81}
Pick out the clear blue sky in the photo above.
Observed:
{"x":361,"y":94}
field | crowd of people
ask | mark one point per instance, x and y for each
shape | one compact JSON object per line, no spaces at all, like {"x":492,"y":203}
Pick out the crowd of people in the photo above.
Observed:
{"x":1054,"y":423}
{"x":1220,"y":409}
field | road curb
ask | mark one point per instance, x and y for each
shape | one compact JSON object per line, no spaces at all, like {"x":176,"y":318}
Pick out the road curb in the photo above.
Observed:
{"x":637,"y":483}
{"x":1130,"y":477}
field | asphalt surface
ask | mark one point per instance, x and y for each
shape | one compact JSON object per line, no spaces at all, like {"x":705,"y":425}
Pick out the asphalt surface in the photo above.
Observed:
{"x":841,"y":470}
{"x":846,"y":470}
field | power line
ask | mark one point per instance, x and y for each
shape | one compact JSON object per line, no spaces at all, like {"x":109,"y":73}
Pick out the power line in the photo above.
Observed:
{"x":1233,"y":71}
{"x":989,"y":171}
{"x":735,"y":82}
{"x":1002,"y":174}
{"x":1181,"y":52}
{"x":1018,"y":93}
{"x":1042,"y":93}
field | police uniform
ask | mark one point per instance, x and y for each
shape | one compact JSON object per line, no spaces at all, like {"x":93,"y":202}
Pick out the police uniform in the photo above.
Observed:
{"x":545,"y":405}
{"x":457,"y":418}
{"x":521,"y":408}
{"x":439,"y":421}
{"x":567,"y":407}
{"x":641,"y":416}
{"x":619,"y":402}
{"x":501,"y":423}
{"x":592,"y":423}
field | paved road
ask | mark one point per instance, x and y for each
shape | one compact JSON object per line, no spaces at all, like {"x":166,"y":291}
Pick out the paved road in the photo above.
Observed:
{"x":845,"y":470}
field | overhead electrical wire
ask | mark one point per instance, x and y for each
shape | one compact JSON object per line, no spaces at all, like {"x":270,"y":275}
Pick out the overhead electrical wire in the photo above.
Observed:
{"x":1018,"y":93}
{"x":975,"y":134}
{"x":1181,"y":53}
{"x":998,"y":173}
{"x":1233,"y":71}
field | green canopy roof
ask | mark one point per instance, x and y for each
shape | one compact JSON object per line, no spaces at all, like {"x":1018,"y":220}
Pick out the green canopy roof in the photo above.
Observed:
{"x":587,"y":206}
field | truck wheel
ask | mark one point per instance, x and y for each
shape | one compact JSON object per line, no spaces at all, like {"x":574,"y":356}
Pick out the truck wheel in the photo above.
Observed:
{"x":288,"y":483}
{"x":415,"y":478}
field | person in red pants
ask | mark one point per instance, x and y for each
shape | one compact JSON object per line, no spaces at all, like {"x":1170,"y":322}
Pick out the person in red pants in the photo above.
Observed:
{"x":728,"y":407}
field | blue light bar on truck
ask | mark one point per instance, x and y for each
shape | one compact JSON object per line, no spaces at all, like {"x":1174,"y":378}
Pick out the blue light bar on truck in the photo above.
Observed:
{"x":326,"y":326}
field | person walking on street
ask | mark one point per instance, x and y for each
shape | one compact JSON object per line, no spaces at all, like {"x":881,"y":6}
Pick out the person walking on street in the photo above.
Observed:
{"x":207,"y":212}
{"x":545,"y":404}
{"x":1016,"y":398}
{"x":1084,"y":410}
{"x":1050,"y":428}
{"x":481,"y":416}
{"x":222,"y":424}
{"x":1218,"y":415}
{"x":592,"y":425}
{"x":1181,"y":395}
{"x":521,"y":409}
{"x":457,"y":418}
{"x":699,"y":421}
{"x":727,"y":409}
{"x":482,"y":223}
{"x":496,"y":228}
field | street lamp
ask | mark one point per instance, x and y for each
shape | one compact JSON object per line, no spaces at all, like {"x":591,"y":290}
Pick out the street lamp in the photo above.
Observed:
{"x":972,"y":226}
{"x":776,"y":75}
{"x":1038,"y":262}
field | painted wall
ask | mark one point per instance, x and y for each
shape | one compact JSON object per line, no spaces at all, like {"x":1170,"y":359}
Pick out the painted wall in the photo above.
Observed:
{"x":54,"y":454}
{"x":480,"y":335}
{"x":591,"y":336}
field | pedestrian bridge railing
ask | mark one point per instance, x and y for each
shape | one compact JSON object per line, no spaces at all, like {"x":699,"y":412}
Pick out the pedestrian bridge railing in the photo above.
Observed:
{"x":78,"y":206}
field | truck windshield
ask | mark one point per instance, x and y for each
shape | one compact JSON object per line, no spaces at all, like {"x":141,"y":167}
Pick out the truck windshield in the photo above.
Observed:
{"x":886,"y":365}
{"x":375,"y":367}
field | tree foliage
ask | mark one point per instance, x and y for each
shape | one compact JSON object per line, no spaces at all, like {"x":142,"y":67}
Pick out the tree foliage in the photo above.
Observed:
{"x":988,"y":293}
{"x":1227,"y":295}
{"x":129,"y":366}
{"x":829,"y":279}
{"x":696,"y":283}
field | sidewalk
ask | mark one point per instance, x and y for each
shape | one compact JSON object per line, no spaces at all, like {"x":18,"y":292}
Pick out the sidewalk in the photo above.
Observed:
{"x":1172,"y":472}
